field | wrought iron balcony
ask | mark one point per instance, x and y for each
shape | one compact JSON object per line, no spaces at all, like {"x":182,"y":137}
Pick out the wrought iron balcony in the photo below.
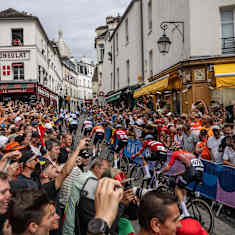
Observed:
{"x":228,"y":45}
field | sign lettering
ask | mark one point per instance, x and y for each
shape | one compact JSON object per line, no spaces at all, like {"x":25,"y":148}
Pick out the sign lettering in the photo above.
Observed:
{"x":14,"y":55}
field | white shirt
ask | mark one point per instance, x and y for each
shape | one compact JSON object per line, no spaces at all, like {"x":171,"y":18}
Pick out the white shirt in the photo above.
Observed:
{"x":229,"y":155}
{"x":214,"y":143}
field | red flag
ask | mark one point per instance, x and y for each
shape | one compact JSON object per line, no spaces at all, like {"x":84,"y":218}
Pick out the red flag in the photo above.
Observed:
{"x":41,"y":131}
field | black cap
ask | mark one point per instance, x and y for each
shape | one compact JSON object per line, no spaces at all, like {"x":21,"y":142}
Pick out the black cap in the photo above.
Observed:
{"x":84,"y":154}
{"x":26,"y":155}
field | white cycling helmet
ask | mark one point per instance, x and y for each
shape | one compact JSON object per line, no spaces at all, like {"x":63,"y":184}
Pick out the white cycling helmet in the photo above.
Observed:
{"x":148,"y":137}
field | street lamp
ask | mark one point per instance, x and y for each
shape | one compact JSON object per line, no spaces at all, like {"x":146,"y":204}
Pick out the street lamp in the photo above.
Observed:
{"x":164,"y":41}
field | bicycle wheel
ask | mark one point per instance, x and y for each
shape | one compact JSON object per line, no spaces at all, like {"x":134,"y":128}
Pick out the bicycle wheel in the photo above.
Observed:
{"x":202,"y":212}
{"x":137,"y":173}
{"x":123,"y":164}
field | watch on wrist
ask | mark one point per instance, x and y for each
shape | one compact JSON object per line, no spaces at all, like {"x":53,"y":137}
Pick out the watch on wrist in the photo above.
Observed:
{"x":98,"y":226}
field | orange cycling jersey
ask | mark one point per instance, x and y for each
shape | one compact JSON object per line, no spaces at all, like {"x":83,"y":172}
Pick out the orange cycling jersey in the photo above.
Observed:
{"x":98,"y":129}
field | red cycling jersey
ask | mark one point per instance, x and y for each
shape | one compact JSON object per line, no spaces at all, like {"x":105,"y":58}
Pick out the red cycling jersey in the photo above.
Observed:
{"x":121,"y":135}
{"x":153,"y":146}
{"x":186,"y":158}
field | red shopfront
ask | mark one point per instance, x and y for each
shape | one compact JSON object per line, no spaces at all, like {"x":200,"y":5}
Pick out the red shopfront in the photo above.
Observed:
{"x":47,"y":97}
{"x":20,"y":91}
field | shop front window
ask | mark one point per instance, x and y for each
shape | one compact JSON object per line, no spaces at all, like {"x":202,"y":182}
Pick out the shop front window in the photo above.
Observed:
{"x":18,"y":71}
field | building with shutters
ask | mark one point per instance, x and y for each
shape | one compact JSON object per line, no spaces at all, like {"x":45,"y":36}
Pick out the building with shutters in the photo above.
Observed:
{"x":30,"y":64}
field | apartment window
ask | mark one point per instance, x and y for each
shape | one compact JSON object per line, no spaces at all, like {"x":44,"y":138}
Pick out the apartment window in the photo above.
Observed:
{"x":151,"y":63}
{"x":17,"y":37}
{"x":18,"y":71}
{"x":101,"y":46}
{"x":117,"y":46}
{"x":228,"y":40}
{"x":118,"y":77}
{"x":128,"y":72}
{"x":81,"y":69}
{"x":150,"y":20}
{"x":127,"y":30}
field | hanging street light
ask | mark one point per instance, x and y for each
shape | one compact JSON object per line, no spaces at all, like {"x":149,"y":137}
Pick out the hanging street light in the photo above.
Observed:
{"x":164,"y":41}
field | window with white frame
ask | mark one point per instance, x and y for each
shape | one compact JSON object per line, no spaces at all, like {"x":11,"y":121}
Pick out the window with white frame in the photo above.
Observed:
{"x":18,"y":71}
{"x":17,"y":37}
{"x":101,"y":46}
{"x":227,"y":25}
{"x":150,"y":15}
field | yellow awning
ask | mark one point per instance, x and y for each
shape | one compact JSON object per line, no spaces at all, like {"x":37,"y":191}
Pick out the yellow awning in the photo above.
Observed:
{"x":159,"y":85}
{"x":225,"y":75}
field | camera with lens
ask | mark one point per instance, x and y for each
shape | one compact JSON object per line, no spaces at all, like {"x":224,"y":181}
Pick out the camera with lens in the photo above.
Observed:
{"x":140,"y":192}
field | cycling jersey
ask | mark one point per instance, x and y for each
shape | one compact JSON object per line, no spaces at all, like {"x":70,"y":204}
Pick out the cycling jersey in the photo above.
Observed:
{"x":153,"y":146}
{"x":98,"y":130}
{"x":193,"y":167}
{"x":121,"y":135}
{"x":87,"y":124}
{"x":74,"y":122}
{"x":188,"y":159}
{"x":120,"y":140}
{"x":154,"y":151}
{"x":99,"y":134}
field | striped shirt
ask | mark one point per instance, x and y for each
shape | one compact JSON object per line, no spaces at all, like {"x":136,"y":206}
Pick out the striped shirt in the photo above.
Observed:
{"x":67,"y":185}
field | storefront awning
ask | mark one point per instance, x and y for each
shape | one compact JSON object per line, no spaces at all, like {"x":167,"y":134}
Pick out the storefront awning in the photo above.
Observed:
{"x":225,"y":75}
{"x":113,"y":97}
{"x":159,"y":85}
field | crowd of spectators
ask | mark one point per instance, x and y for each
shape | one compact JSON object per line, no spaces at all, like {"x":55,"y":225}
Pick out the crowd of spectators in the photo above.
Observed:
{"x":48,"y":187}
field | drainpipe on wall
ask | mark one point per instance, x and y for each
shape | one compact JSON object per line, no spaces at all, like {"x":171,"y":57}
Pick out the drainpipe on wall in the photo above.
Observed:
{"x":114,"y":64}
{"x":142,"y":38}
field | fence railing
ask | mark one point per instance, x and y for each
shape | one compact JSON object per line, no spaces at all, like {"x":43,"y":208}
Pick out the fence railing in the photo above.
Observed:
{"x":228,"y":45}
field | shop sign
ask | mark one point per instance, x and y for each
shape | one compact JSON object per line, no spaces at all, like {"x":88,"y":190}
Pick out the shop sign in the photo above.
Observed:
{"x":6,"y":91}
{"x":43,"y":92}
{"x":14,"y":55}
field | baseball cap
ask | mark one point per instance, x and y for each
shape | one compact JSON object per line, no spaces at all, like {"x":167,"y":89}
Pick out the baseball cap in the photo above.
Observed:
{"x":84,"y":154}
{"x":190,"y":226}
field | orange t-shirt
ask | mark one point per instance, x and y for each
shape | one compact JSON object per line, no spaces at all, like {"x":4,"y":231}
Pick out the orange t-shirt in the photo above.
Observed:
{"x":205,"y":154}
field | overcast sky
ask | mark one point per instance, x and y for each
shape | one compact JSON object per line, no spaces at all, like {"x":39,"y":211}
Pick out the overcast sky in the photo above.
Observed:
{"x":77,"y":19}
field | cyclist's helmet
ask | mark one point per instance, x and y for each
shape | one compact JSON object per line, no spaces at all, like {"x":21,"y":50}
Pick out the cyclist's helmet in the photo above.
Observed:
{"x":118,"y":126}
{"x":99,"y":124}
{"x":148,"y":137}
{"x":89,"y":118}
